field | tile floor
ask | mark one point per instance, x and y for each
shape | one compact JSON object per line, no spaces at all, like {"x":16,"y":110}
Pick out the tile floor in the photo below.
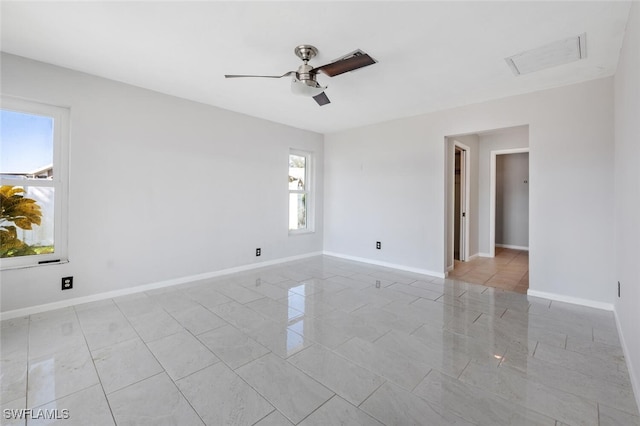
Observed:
{"x":321,"y":341}
{"x":508,"y":270}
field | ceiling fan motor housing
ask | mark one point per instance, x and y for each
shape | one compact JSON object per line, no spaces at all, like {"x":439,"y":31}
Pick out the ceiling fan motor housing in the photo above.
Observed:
{"x":304,"y":81}
{"x":305,"y":75}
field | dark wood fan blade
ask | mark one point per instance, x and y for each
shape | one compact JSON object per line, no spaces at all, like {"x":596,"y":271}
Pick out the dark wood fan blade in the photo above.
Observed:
{"x":322,"y":99}
{"x":261,"y":76}
{"x":358,"y":60}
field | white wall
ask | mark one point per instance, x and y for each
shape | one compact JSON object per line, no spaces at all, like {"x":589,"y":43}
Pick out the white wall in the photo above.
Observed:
{"x":160,"y":187}
{"x":496,"y":140}
{"x":512,"y":200}
{"x":386,"y":182}
{"x":627,"y":194}
{"x":379,"y":184}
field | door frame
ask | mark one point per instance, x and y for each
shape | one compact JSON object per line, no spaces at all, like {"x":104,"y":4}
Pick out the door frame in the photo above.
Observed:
{"x":492,"y":195}
{"x":465,"y":194}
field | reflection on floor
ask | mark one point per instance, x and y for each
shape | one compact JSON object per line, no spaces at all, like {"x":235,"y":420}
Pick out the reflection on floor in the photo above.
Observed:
{"x":320,"y":341}
{"x":508,"y":270}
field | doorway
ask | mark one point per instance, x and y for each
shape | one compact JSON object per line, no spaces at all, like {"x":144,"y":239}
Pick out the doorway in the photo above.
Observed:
{"x":460,"y":203}
{"x":509,"y":200}
{"x":458,"y":177}
{"x":472,"y":253}
{"x":507,"y":266}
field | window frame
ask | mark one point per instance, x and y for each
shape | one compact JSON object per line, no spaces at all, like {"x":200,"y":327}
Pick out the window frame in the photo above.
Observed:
{"x":308,"y":191}
{"x":59,"y":182}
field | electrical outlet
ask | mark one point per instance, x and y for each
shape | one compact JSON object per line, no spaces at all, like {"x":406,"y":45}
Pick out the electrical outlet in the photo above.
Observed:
{"x":378,"y":245}
{"x":67,"y":283}
{"x":618,"y":288}
{"x":377,"y":283}
{"x":258,"y":252}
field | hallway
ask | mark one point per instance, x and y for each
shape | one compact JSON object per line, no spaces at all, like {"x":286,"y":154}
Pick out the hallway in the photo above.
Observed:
{"x":508,"y":270}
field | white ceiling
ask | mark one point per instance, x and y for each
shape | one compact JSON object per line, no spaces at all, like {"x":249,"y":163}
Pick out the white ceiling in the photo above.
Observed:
{"x":432,"y":55}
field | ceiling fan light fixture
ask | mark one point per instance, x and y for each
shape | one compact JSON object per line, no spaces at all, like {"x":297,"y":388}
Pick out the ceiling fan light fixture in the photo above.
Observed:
{"x":308,"y":88}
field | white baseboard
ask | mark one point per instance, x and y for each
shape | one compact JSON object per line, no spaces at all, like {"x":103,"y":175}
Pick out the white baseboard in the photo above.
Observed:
{"x":510,"y":246}
{"x":485,"y":255}
{"x":633,"y":375}
{"x":473,"y":256}
{"x":146,"y":287}
{"x":569,"y":299}
{"x":385,"y":264}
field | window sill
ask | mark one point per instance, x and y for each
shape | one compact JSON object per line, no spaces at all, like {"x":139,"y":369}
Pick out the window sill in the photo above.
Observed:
{"x":301,"y":232}
{"x":32,"y":265}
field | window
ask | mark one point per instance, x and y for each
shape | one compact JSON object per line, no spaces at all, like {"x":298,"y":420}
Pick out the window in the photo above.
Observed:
{"x":33,"y":183}
{"x":300,"y":218}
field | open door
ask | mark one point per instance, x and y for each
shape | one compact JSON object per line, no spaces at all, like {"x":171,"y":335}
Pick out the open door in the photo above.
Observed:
{"x":461,"y":197}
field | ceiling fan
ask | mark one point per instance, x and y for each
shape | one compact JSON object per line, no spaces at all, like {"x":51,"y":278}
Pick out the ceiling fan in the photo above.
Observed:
{"x":303,"y":81}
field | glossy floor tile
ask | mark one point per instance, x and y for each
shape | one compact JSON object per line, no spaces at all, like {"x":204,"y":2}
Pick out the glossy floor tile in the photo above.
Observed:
{"x":90,"y":403}
{"x":221,"y":397}
{"x":348,"y":380}
{"x":153,"y":401}
{"x":292,"y":392}
{"x":321,"y":341}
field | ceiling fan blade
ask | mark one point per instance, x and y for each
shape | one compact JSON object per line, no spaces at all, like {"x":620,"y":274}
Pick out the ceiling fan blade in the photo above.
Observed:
{"x":260,"y":76}
{"x":322,"y":99}
{"x":349,"y":62}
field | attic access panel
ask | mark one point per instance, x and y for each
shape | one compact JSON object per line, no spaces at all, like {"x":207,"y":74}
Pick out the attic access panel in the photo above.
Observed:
{"x":548,"y":56}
